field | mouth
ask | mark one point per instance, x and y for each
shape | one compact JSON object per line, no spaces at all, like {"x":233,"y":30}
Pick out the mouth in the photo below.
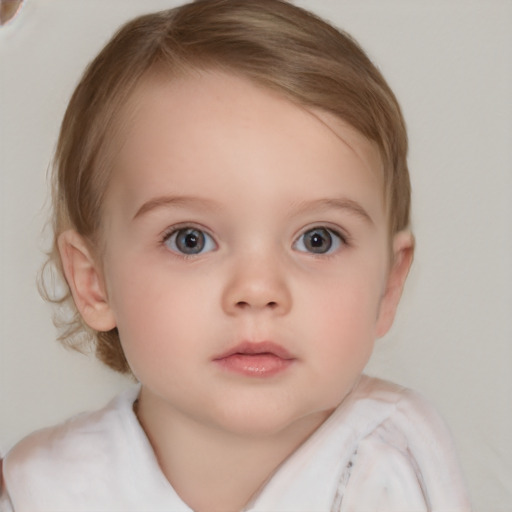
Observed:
{"x":262,"y":359}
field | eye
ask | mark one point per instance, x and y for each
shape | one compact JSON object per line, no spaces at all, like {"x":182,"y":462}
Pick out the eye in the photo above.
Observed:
{"x":319,"y":241}
{"x":189,"y":241}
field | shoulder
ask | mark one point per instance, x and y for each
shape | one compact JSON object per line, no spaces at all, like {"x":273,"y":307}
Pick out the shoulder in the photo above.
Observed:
{"x":406,"y":457}
{"x":75,"y":447}
{"x":406,"y":420}
{"x":397,"y":404}
{"x":5,"y":502}
{"x":93,"y":430}
{"x":396,"y":412}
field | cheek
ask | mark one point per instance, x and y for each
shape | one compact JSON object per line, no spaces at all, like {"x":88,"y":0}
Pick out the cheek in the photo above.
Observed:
{"x":159,"y":313}
{"x":347,"y":334}
{"x":344,"y":344}
{"x":350,"y":300}
{"x":342,"y":317}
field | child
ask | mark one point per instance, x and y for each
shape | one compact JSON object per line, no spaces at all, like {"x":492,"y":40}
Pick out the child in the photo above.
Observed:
{"x":231,"y":211}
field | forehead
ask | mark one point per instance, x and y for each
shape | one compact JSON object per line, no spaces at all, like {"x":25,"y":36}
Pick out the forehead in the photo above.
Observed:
{"x":186,"y":124}
{"x":208,"y":94}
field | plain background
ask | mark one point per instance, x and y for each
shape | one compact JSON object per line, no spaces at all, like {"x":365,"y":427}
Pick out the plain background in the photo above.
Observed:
{"x":450,"y":64}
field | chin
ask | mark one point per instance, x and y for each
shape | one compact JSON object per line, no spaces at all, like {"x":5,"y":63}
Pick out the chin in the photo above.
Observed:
{"x":270,"y":421}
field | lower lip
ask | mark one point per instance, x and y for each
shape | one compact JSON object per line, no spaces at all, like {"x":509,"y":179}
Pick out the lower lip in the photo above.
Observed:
{"x":255,"y":365}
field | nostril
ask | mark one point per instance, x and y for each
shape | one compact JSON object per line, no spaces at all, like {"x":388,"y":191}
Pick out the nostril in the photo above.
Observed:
{"x":243,"y":304}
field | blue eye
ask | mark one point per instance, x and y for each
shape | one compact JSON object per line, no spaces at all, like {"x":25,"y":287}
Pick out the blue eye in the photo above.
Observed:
{"x":319,"y":241}
{"x":189,"y":241}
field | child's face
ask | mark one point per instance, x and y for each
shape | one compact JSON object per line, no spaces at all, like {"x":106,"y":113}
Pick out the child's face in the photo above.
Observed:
{"x":246,"y":258}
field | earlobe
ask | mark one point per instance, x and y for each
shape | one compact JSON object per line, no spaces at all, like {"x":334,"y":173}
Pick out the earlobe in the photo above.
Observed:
{"x":85,"y":281}
{"x":403,"y":252}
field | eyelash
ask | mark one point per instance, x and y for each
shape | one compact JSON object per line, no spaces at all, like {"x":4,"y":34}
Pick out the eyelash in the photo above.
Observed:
{"x":205,"y":238}
{"x":187,"y":229}
{"x":340,"y":240}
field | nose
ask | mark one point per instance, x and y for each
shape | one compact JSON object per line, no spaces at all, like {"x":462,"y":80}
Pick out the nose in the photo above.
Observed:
{"x":257,"y":284}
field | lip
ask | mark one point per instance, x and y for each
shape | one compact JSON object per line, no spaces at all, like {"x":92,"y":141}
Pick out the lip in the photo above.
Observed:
{"x":261,"y":359}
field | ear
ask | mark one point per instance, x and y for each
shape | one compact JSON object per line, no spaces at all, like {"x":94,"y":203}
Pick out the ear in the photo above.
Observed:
{"x":403,"y":251}
{"x":85,"y":280}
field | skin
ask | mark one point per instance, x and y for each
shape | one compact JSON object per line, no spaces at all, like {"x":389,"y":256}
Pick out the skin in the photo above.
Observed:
{"x":254,"y":173}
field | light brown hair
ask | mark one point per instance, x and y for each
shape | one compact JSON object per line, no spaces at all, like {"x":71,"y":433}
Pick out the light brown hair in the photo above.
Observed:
{"x":270,"y":42}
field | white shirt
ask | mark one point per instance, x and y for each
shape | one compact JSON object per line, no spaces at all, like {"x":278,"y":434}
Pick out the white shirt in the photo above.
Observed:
{"x":383,"y":450}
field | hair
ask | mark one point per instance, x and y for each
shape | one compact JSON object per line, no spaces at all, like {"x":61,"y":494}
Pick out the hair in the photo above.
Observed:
{"x":270,"y":42}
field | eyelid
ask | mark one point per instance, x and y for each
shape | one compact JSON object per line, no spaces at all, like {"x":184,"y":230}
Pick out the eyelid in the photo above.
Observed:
{"x":333,"y":228}
{"x":171,"y":230}
{"x":184,"y":225}
{"x":335,"y":231}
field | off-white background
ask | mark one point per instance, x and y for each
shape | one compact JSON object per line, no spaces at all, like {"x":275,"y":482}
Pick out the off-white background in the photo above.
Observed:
{"x":450,"y":64}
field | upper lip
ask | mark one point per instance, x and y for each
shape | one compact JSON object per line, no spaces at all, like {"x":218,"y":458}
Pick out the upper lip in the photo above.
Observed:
{"x":253,"y":348}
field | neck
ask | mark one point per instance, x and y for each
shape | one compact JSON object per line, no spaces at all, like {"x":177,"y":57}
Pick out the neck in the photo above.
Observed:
{"x":208,"y":465}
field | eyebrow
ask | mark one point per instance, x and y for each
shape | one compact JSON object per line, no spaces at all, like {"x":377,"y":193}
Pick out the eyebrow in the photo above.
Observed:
{"x":344,"y":204}
{"x":175,"y":201}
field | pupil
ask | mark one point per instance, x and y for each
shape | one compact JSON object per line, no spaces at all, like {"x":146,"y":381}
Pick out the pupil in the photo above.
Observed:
{"x":319,"y":241}
{"x":190,"y":241}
